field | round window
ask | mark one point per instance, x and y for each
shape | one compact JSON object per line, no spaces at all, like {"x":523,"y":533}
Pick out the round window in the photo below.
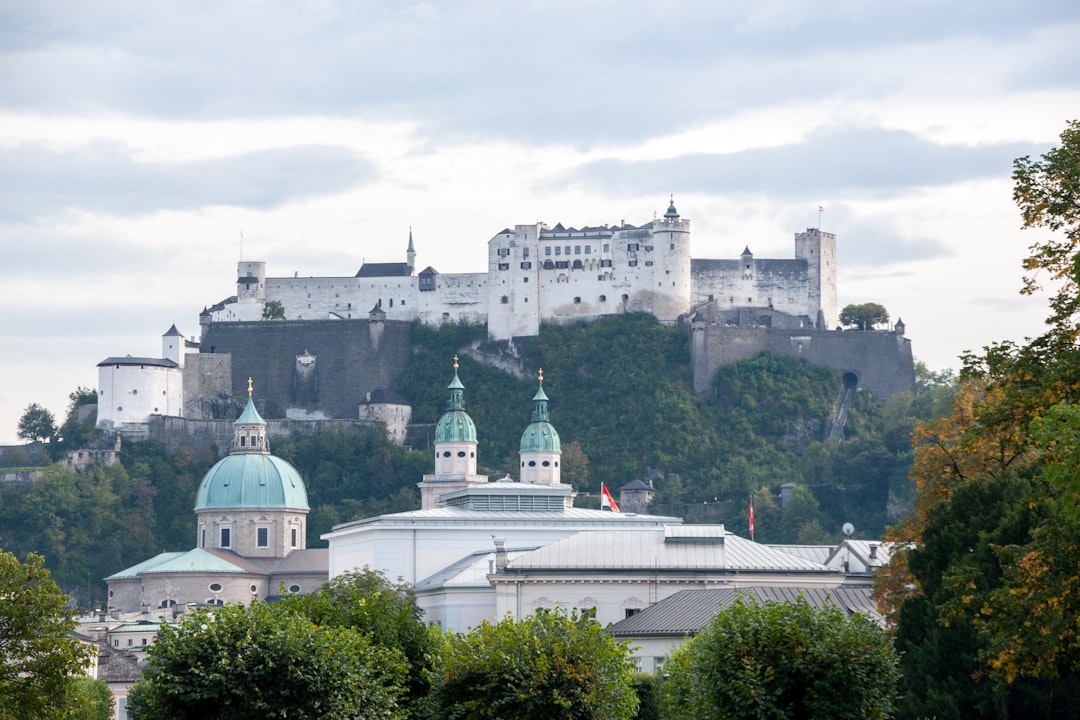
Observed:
{"x":254,"y":589}
{"x":294,"y":589}
{"x":461,"y":453}
{"x":546,"y":463}
{"x":215,"y":587}
{"x":532,"y":463}
{"x":446,"y":453}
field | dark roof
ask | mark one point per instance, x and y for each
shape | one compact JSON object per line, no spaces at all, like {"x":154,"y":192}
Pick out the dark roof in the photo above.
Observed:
{"x":218,"y":305}
{"x":429,"y":271}
{"x":129,"y":360}
{"x":688,"y":611}
{"x":171,"y":332}
{"x":635,"y":485}
{"x":398,"y":269}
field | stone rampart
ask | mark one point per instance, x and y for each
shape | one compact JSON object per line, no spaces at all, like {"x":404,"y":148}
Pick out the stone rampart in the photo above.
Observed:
{"x":880,"y":360}
{"x":323,"y":367}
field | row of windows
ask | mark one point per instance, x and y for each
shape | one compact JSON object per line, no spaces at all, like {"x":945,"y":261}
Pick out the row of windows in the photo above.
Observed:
{"x":545,"y":463}
{"x":505,"y":252}
{"x":577,"y":249}
{"x":461,"y":453}
{"x":262,"y":537}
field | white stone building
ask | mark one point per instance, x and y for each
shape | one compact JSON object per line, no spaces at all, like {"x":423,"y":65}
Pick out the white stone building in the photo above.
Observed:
{"x":131,"y":389}
{"x":444,"y":548}
{"x":539,"y":274}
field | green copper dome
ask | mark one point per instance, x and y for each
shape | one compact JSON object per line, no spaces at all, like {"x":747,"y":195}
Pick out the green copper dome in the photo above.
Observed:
{"x":540,"y":435}
{"x":455,"y":425}
{"x":252,"y":480}
{"x":250,"y":477}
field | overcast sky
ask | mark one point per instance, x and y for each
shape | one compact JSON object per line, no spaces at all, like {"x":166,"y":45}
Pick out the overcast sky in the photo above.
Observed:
{"x":139,"y":140}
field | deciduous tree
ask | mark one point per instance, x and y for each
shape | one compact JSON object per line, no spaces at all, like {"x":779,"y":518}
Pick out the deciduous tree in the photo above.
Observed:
{"x":39,"y":659}
{"x":783,"y":660}
{"x":864,"y":316}
{"x":548,"y":666}
{"x":36,"y":424}
{"x":254,"y":662}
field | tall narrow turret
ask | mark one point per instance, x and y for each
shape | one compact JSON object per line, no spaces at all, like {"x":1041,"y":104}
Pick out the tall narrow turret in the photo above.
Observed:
{"x":410,"y":254}
{"x":455,"y":449}
{"x":541,"y":450}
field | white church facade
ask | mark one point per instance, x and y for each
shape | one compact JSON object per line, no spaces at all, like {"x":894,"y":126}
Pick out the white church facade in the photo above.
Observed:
{"x":538,"y":274}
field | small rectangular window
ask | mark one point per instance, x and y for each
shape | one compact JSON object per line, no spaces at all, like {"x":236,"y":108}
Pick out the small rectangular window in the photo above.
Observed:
{"x":558,"y":249}
{"x":648,"y":263}
{"x":588,"y":249}
{"x":632,"y":247}
{"x":605,"y":263}
{"x":567,"y":249}
{"x":524,"y":252}
{"x":504,"y":266}
{"x":262,"y":537}
{"x":226,"y":538}
{"x":294,"y":537}
{"x":547,"y":250}
{"x":607,"y":247}
{"x":526,"y":265}
{"x":577,"y":249}
{"x":632,"y":263}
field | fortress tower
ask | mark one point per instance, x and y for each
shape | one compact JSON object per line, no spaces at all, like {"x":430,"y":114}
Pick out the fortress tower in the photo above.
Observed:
{"x":818,"y":249}
{"x":671,"y":270}
{"x":250,"y":290}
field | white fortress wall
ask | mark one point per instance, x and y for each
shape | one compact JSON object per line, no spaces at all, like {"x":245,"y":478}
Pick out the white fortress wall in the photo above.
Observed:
{"x":323,"y":298}
{"x":457,"y":297}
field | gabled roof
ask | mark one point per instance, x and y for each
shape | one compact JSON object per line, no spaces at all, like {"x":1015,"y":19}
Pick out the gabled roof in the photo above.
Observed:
{"x":398,"y":269}
{"x":688,"y":611}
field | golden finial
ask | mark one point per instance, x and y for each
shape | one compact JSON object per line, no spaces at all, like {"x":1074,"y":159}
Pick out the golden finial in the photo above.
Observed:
{"x":455,"y":363}
{"x":249,"y":387}
{"x":541,"y":376}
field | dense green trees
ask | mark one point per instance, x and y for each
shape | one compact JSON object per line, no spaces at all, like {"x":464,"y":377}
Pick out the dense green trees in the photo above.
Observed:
{"x":985,"y":601}
{"x":260,"y":661}
{"x":548,"y":666}
{"x":386,"y":613}
{"x":783,"y":660}
{"x":39,"y":659}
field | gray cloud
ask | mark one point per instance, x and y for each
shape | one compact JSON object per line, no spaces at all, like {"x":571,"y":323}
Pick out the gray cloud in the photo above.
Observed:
{"x":553,"y":71}
{"x":849,"y":162}
{"x":37,"y":181}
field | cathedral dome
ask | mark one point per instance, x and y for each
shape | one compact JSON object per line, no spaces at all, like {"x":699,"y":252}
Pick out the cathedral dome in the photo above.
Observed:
{"x":250,"y":477}
{"x":252,"y":480}
{"x":540,"y":435}
{"x":455,"y":425}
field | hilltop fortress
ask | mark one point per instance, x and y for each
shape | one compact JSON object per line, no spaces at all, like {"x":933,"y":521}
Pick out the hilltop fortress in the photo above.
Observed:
{"x":331,"y":349}
{"x":539,"y":274}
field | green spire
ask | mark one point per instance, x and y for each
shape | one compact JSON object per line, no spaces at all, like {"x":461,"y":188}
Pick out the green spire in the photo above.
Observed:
{"x":410,"y":240}
{"x":455,"y":425}
{"x":540,"y":435}
{"x":457,"y":391}
{"x":540,"y":402}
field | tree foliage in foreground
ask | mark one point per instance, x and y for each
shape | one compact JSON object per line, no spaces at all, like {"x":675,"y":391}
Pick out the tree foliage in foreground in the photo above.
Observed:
{"x":548,"y":666}
{"x":986,"y":602}
{"x":385,"y":612}
{"x":39,"y":660}
{"x":260,"y":661}
{"x":783,"y":660}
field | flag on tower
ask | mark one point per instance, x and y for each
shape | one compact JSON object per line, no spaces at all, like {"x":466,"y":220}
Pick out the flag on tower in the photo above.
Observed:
{"x":751,"y":518}
{"x":606,"y":501}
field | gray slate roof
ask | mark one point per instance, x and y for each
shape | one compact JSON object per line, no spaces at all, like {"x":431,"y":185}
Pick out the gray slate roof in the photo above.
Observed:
{"x":129,"y":360}
{"x":688,"y":611}
{"x":679,"y":548}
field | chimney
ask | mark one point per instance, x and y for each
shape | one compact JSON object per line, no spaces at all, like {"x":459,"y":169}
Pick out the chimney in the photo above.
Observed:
{"x":500,"y":554}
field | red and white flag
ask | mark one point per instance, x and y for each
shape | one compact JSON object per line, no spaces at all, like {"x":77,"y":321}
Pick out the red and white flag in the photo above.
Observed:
{"x":751,"y":518}
{"x":606,"y":501}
